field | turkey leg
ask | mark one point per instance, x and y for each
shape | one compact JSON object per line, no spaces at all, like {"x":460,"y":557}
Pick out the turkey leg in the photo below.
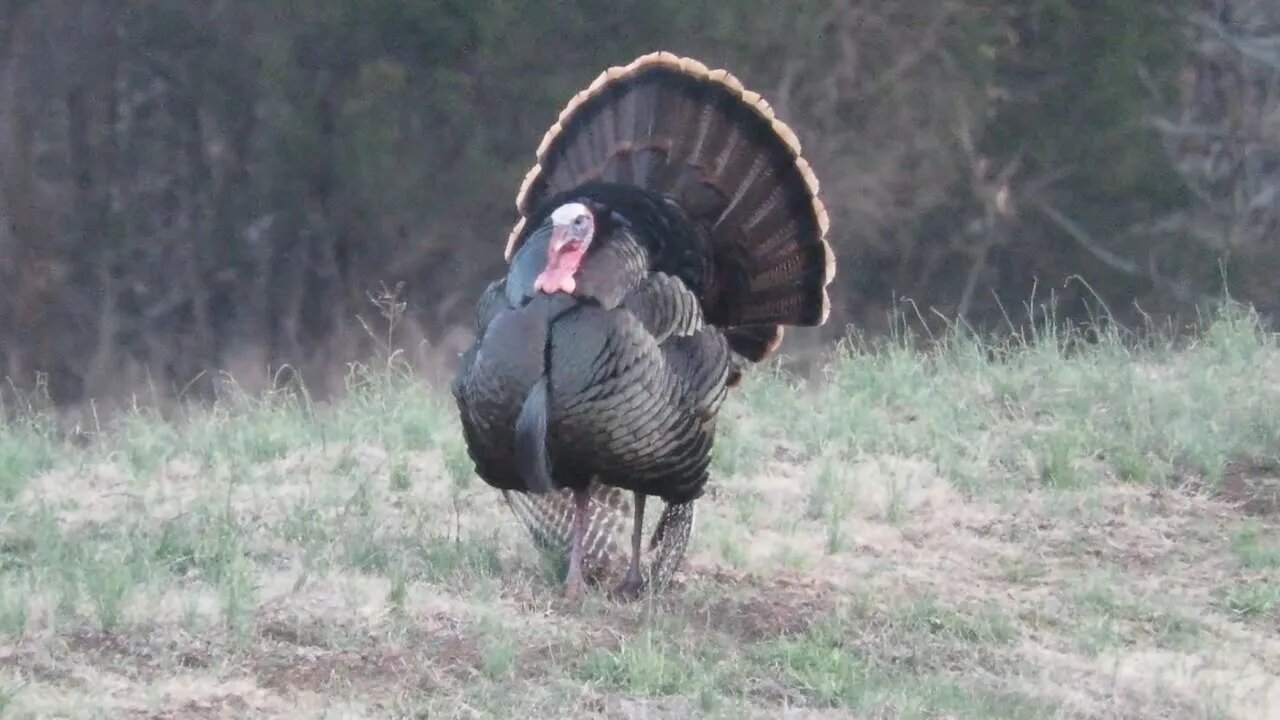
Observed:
{"x":632,"y":584}
{"x":575,"y":587}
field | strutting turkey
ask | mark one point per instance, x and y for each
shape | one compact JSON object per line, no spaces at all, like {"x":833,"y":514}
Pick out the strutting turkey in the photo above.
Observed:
{"x":669,"y":230}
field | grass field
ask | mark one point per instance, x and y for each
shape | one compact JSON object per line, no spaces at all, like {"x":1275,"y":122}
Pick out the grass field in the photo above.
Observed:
{"x":1046,"y":529}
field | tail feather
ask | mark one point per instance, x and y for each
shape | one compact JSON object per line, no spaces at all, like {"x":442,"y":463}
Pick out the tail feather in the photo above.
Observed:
{"x":754,"y":342}
{"x":671,"y":125}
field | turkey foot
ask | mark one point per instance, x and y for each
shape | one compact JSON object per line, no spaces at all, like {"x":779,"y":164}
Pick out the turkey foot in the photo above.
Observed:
{"x":575,"y":587}
{"x":630,"y":587}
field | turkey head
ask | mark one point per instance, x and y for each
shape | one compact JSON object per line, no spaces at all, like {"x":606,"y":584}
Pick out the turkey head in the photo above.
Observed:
{"x":572,"y":229}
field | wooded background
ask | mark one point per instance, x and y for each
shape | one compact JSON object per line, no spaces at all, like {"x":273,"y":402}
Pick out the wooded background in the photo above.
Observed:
{"x":195,"y":186}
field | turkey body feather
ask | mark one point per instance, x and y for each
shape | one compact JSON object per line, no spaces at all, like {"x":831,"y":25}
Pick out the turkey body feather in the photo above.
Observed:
{"x":628,"y":394}
{"x":669,"y":231}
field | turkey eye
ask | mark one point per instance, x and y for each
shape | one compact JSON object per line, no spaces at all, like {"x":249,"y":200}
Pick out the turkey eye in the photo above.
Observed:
{"x":579,"y":222}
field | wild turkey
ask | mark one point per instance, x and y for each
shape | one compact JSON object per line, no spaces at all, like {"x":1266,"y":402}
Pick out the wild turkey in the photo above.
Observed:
{"x":668,"y":232}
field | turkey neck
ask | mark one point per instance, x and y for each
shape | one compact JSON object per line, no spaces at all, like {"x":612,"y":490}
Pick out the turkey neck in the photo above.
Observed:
{"x":612,"y":271}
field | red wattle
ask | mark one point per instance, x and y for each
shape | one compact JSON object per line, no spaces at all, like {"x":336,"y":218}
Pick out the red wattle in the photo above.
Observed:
{"x":554,"y":280}
{"x":558,"y":274}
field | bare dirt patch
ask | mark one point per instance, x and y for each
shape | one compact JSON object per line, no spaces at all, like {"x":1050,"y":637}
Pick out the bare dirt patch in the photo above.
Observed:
{"x":1252,"y":486}
{"x":753,"y":609}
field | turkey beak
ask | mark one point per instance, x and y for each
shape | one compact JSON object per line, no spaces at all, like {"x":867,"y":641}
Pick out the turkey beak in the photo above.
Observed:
{"x":564,"y":238}
{"x":559,"y":238}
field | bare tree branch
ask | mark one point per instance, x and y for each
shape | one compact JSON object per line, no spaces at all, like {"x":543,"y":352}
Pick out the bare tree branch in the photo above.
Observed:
{"x":1114,"y":261}
{"x":1265,"y":50}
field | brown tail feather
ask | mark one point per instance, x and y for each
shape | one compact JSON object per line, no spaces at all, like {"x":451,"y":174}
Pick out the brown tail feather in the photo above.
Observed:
{"x":671,"y":125}
{"x":754,"y":342}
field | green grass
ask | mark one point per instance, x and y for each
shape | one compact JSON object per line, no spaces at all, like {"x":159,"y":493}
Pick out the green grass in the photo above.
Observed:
{"x":958,"y":531}
{"x":1256,"y":548}
{"x":1104,"y":617}
{"x":1252,"y":599}
{"x":27,"y":448}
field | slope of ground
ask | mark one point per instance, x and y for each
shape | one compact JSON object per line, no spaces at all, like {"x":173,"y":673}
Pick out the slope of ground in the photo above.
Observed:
{"x":1044,"y":530}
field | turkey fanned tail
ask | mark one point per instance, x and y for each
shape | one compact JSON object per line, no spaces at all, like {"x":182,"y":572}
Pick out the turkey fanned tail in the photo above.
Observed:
{"x":670,"y":125}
